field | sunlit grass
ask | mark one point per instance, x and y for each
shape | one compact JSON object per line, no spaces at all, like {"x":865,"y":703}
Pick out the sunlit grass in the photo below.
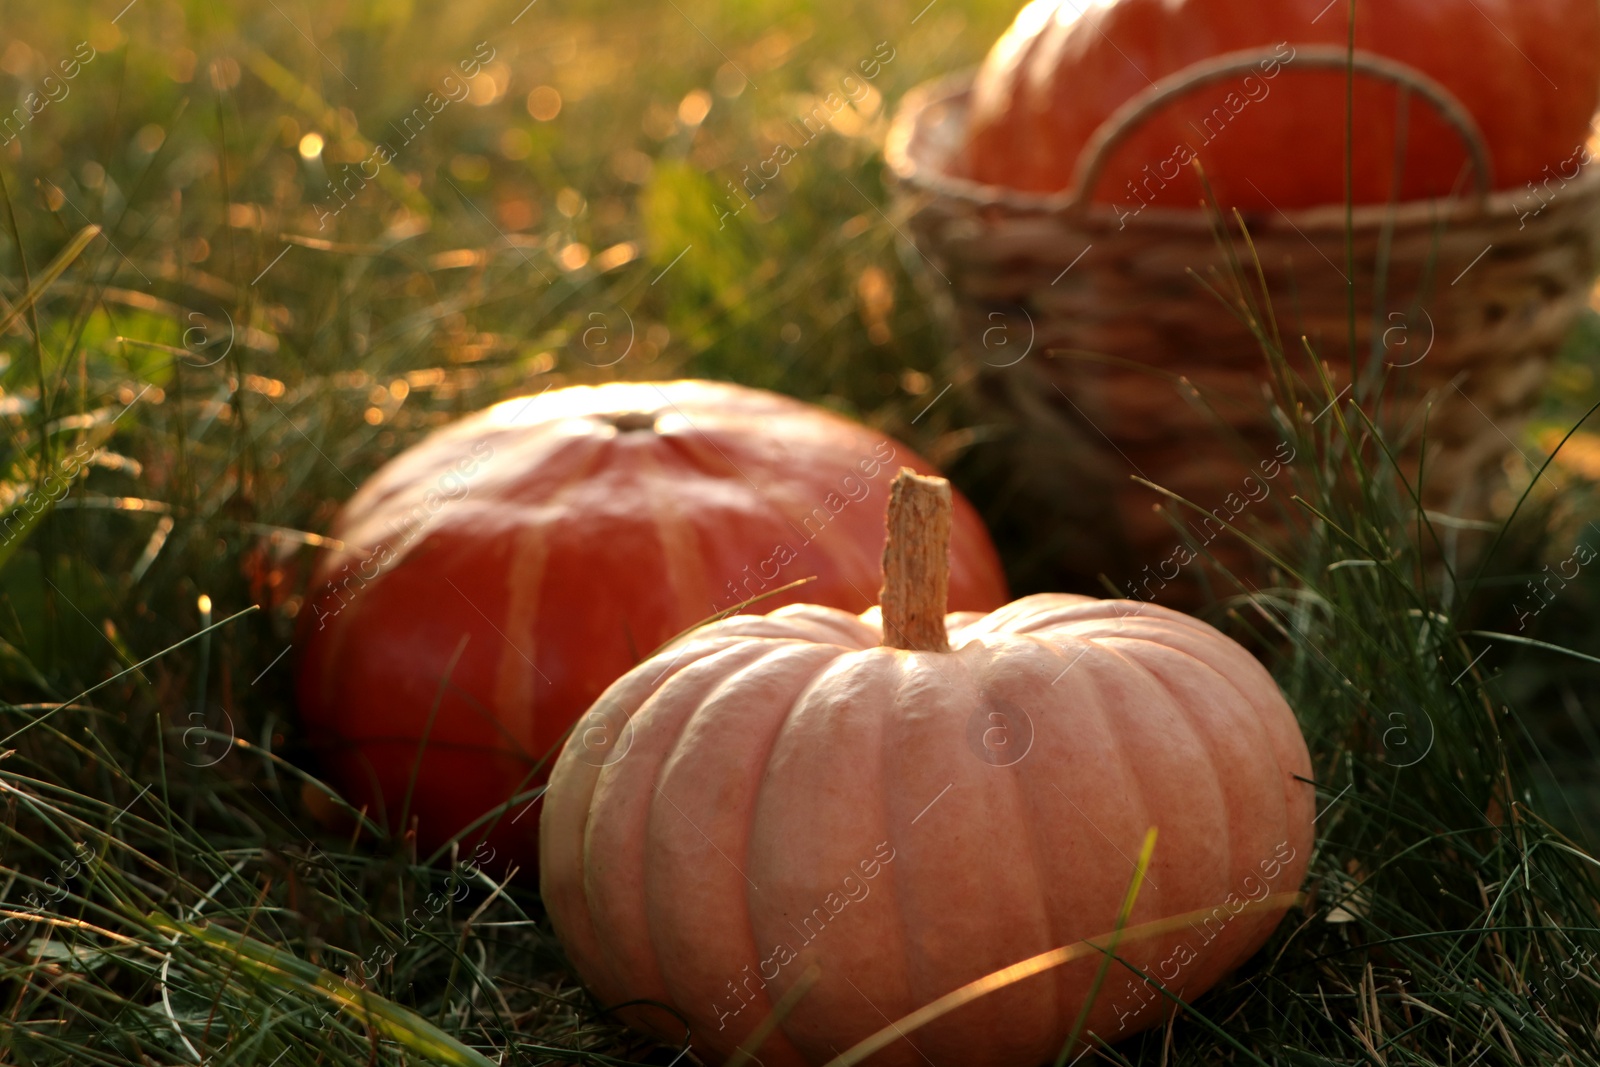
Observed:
{"x":241,"y":345}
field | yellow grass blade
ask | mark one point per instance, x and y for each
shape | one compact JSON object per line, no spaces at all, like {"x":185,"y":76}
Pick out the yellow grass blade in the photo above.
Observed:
{"x":63,"y":260}
{"x":287,"y":971}
{"x":1027,"y":968}
{"x":780,"y":1012}
{"x":1123,"y":915}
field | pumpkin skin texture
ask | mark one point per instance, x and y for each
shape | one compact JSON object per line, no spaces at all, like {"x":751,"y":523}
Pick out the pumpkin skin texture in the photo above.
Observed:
{"x":564,"y":537}
{"x":1527,"y":70}
{"x":707,"y":851}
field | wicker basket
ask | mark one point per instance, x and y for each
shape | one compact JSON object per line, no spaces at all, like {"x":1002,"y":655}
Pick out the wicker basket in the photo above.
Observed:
{"x":1093,"y":337}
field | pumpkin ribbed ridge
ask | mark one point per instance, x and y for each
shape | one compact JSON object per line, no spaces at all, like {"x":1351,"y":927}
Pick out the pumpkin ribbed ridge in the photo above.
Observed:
{"x":625,"y":935}
{"x":564,"y":886}
{"x":1215,"y":967}
{"x":706,"y":745}
{"x":1052,"y":990}
{"x":1270,"y":752}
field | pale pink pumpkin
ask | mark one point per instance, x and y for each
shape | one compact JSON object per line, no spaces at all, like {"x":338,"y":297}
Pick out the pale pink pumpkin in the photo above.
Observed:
{"x":778,"y":791}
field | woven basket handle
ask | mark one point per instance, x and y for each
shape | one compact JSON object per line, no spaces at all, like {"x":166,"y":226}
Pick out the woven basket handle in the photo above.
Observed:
{"x":1140,"y":107}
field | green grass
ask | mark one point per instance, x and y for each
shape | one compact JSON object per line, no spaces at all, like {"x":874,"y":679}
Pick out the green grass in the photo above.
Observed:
{"x":235,"y":371}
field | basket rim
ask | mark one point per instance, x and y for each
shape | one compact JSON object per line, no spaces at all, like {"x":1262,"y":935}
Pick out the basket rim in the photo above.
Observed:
{"x":913,"y":117}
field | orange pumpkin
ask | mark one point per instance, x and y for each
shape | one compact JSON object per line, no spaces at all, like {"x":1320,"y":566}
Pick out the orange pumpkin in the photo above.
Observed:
{"x":1274,"y":137}
{"x":911,"y":815}
{"x":495,"y":578}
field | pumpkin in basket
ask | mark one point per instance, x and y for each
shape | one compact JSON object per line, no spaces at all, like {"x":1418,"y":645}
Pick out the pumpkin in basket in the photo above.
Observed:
{"x":1273,"y":136}
{"x":910,"y":801}
{"x":496,"y":577}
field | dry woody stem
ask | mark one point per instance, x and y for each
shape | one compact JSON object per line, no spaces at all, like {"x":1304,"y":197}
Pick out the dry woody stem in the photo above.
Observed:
{"x":916,"y":563}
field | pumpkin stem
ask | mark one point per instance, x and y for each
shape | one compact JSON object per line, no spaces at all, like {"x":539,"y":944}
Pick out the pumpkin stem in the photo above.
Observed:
{"x":633,"y":420}
{"x":916,"y":563}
